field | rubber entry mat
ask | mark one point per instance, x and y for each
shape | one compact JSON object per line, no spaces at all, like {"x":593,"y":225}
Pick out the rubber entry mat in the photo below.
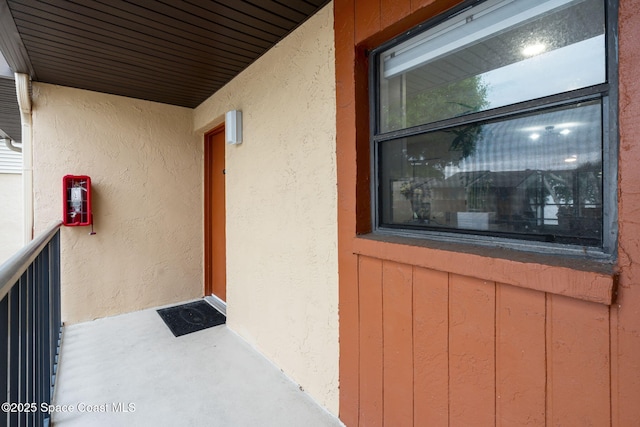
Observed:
{"x":191,"y":317}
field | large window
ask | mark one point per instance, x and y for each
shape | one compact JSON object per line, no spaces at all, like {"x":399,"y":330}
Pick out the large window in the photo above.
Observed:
{"x":499,"y":121}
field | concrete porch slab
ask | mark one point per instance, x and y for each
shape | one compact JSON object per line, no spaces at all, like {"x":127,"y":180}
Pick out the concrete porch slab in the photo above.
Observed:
{"x":130,"y":370}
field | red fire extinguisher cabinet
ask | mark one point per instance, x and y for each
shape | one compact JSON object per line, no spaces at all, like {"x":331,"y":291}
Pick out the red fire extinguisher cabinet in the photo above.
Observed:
{"x":76,"y":200}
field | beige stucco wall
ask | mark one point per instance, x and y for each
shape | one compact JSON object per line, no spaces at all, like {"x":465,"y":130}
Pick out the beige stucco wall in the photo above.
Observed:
{"x":145,"y":163}
{"x":282,"y":276}
{"x":11,"y":236}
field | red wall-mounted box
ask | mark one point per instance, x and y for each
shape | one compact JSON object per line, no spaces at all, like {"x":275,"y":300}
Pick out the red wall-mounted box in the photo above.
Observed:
{"x":76,"y":200}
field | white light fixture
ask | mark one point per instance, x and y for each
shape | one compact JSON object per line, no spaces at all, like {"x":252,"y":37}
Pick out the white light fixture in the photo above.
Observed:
{"x":534,"y":136}
{"x":534,"y":49}
{"x":233,"y":127}
{"x":571,"y":159}
{"x":565,"y":132}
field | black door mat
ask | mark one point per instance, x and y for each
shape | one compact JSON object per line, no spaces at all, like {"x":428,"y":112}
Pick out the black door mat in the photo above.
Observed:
{"x":191,"y":317}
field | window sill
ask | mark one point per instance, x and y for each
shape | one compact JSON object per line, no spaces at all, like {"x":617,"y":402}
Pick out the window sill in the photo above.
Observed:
{"x":588,"y":280}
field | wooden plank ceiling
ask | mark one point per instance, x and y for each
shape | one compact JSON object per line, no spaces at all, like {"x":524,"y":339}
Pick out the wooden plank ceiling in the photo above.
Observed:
{"x":176,"y":52}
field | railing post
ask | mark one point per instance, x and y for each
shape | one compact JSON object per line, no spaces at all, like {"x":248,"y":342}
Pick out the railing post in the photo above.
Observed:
{"x":16,"y":351}
{"x":30,"y":330}
{"x":4,"y":355}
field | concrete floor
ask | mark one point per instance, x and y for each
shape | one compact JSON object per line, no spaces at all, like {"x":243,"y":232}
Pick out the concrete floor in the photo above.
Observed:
{"x":130,"y":370}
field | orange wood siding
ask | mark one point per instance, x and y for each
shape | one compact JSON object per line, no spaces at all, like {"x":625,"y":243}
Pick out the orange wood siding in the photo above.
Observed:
{"x":391,"y":11}
{"x":371,"y":344}
{"x":577,"y":362}
{"x":368,"y":22}
{"x":430,"y":347}
{"x":439,"y":348}
{"x":347,"y":265}
{"x":471,"y":351}
{"x":625,"y":324}
{"x":397,"y":330}
{"x":431,"y":336}
{"x":520,"y":356}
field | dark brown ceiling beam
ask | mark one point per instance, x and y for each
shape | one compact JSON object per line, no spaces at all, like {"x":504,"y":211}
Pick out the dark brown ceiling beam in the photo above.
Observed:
{"x":176,"y":54}
{"x":63,"y":71}
{"x":129,"y":86}
{"x":168,"y":51}
{"x":26,"y":19}
{"x":165,"y":96}
{"x":305,"y":9}
{"x":65,"y":74}
{"x":214,"y":19}
{"x":77,"y":47}
{"x":294,"y":13}
{"x":152,"y":25}
{"x":308,"y":7}
{"x":178,"y":22}
{"x":119,"y":60}
{"x":236,"y":9}
{"x":169,"y":27}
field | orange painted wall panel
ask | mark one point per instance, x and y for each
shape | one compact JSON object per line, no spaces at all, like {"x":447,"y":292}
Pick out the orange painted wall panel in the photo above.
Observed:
{"x":471,"y":352}
{"x":626,"y":317}
{"x":370,"y":272}
{"x":520,"y":356}
{"x":368,"y":18}
{"x":393,"y":10}
{"x":431,"y":347}
{"x":578,"y":382}
{"x":398,"y":344}
{"x":347,"y":262}
{"x":349,"y":344}
{"x":495,"y":334}
{"x":625,"y":351}
{"x":418,"y":4}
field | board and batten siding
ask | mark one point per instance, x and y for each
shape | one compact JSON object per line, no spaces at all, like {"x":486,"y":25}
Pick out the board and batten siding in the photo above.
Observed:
{"x":438,"y":348}
{"x":433,"y":336}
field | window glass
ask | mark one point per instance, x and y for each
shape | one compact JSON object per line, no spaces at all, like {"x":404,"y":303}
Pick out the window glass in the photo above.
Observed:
{"x":538,"y":175}
{"x":495,"y":54}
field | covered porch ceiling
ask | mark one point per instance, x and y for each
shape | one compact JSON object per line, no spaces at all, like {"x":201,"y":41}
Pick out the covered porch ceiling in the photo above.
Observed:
{"x":176,"y":52}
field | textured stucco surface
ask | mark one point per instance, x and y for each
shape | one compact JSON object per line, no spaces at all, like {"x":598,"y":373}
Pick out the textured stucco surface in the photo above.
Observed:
{"x":282,"y":277}
{"x":145,"y":163}
{"x":11,"y":235}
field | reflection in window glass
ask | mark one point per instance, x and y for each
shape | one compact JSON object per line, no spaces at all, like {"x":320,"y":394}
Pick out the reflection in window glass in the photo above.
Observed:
{"x":495,"y":54}
{"x":537,"y":174}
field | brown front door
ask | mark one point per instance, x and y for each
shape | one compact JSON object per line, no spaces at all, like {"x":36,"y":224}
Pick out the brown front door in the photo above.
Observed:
{"x":215,"y":265}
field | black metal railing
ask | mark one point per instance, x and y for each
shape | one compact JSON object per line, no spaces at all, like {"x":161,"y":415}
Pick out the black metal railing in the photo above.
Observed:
{"x":30,"y":330}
